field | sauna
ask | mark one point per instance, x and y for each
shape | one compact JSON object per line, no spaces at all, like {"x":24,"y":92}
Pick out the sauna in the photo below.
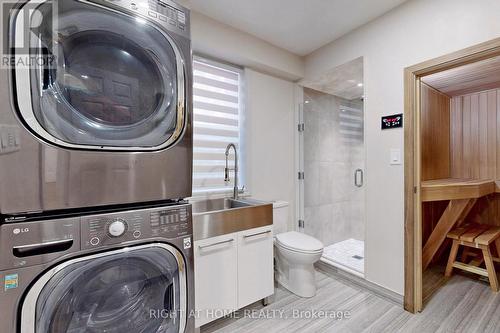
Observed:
{"x":459,"y":170}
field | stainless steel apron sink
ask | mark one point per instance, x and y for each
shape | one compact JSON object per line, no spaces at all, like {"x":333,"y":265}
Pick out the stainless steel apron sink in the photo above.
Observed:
{"x":223,"y":216}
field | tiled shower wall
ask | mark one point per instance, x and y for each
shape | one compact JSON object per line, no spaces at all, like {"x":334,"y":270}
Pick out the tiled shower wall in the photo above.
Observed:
{"x":333,"y":150}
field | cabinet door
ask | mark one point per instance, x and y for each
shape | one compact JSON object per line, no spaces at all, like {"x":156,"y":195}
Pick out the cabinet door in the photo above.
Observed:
{"x":255,"y":265}
{"x":216,"y":277}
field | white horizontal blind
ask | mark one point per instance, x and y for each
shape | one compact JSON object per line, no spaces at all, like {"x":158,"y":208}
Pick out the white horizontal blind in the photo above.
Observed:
{"x":217,"y":122}
{"x":351,"y":124}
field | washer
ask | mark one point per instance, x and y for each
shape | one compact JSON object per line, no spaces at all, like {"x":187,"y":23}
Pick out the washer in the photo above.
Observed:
{"x":97,"y":105}
{"x":117,"y":272}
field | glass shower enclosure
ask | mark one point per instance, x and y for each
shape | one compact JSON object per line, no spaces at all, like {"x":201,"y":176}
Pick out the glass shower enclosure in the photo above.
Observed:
{"x":332,"y":186}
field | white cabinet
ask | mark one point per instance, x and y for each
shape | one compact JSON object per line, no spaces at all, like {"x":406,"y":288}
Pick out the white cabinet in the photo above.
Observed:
{"x":232,"y":271}
{"x":255,"y":265}
{"x":216,"y":277}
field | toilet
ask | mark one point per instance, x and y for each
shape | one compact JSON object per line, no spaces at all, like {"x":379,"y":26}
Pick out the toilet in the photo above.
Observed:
{"x":295,"y":254}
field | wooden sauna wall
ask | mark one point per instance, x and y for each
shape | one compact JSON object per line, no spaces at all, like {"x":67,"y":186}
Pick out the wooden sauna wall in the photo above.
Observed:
{"x":475,"y":145}
{"x":435,"y":134}
{"x":435,"y":143}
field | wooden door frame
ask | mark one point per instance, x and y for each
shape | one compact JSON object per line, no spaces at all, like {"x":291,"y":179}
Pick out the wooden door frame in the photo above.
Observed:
{"x":413,"y":219}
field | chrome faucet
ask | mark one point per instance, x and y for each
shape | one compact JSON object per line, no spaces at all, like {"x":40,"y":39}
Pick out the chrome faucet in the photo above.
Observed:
{"x":226,"y":169}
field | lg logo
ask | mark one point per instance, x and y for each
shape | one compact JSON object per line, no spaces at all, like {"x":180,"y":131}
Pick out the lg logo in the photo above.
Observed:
{"x":18,"y":231}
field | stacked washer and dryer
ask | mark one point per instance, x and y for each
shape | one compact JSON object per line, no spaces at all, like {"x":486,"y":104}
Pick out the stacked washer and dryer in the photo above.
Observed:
{"x":95,"y":163}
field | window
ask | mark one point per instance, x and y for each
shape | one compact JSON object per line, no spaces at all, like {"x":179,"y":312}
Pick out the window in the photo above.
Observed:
{"x":217,"y":122}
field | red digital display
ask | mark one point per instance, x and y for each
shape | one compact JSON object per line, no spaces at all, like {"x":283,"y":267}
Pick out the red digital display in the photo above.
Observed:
{"x":393,"y":121}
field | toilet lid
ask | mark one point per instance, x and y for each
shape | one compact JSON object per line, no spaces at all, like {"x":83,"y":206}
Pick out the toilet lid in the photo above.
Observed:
{"x":299,"y":241}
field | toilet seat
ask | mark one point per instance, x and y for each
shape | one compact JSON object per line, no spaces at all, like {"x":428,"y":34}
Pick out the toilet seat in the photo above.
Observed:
{"x":299,"y":242}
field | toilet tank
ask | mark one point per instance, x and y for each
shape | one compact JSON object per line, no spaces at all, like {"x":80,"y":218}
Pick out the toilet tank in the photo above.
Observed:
{"x":280,"y":217}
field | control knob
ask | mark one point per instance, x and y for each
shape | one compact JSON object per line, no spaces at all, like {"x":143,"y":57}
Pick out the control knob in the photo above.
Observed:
{"x":117,"y":228}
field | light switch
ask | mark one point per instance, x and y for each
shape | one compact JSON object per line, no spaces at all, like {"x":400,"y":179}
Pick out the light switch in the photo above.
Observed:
{"x":396,"y":157}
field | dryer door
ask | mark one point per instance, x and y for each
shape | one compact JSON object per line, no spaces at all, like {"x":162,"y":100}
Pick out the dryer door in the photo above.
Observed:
{"x":135,"y":290}
{"x":103,"y":78}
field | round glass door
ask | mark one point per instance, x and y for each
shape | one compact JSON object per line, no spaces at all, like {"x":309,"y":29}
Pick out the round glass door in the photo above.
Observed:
{"x":115,"y":81}
{"x":136,"y":292}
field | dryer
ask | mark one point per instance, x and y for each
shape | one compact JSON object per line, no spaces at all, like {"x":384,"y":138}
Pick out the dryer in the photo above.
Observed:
{"x":117,"y":272}
{"x":102,"y":116}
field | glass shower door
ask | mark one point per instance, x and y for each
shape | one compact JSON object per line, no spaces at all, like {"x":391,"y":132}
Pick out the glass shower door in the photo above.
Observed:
{"x":332,"y":155}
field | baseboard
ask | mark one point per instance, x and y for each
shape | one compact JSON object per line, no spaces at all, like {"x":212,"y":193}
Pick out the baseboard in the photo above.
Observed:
{"x":353,"y":279}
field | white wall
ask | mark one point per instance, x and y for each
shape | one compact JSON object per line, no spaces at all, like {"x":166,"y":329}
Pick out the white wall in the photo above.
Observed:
{"x":223,"y":42}
{"x":270,"y":138}
{"x":414,"y":32}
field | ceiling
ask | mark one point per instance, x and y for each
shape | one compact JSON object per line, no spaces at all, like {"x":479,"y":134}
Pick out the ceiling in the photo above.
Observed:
{"x":467,"y":79}
{"x":299,"y":26}
{"x":344,"y":81}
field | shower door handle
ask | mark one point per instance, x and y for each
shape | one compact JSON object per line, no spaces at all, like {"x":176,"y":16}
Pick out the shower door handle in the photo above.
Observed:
{"x":358,"y":178}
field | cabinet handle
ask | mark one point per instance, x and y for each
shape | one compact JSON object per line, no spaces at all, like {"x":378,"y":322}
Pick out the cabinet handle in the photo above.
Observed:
{"x":257,"y":234}
{"x":215,"y":244}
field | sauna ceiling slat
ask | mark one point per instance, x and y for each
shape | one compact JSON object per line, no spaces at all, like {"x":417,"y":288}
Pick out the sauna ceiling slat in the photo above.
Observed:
{"x":480,"y":76}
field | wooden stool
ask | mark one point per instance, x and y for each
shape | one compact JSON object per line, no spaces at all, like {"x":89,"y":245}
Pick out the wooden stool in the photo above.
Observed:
{"x":478,"y":236}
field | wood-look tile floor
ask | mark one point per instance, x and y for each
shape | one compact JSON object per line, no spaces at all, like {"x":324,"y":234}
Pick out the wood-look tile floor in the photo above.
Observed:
{"x":461,"y":305}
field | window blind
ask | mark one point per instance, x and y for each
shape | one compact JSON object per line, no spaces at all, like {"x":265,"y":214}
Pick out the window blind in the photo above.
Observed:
{"x":351,"y":124}
{"x":217,"y":122}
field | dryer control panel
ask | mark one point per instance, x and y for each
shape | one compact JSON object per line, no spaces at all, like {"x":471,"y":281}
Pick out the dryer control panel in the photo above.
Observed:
{"x":164,"y":12}
{"x":115,"y":228}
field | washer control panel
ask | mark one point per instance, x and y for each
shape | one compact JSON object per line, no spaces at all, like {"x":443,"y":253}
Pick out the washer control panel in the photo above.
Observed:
{"x":114,"y":228}
{"x":168,"y":221}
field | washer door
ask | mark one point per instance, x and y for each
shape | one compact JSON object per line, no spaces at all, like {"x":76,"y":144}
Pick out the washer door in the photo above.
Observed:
{"x":109,"y":80}
{"x":135,"y":290}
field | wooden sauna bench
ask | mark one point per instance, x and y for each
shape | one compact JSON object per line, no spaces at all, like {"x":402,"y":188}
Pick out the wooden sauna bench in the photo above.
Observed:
{"x":453,"y":189}
{"x":463,"y":195}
